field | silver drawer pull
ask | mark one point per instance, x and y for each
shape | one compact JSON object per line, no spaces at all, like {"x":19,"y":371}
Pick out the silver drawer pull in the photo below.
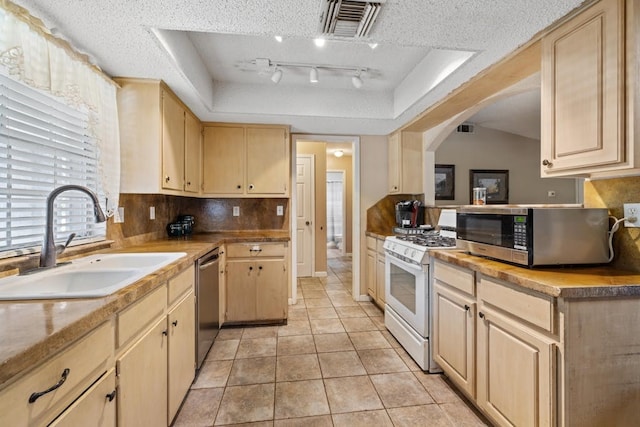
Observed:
{"x":35,"y":396}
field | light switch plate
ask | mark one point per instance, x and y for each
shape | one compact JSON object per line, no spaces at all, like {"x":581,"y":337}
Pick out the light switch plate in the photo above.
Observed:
{"x":152,"y":212}
{"x":279,"y":210}
{"x":632,"y":210}
{"x":236,"y":211}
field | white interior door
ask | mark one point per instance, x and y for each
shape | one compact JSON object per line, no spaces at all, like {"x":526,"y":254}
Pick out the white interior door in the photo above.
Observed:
{"x":304,"y":212}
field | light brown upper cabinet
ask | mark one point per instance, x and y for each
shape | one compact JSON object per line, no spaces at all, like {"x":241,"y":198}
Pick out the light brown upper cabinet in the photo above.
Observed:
{"x":589,"y":69}
{"x":245,"y":160}
{"x":159,"y":140}
{"x":405,"y":163}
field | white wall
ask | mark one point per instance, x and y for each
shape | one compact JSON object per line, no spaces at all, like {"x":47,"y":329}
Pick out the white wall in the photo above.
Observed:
{"x":493,"y":149}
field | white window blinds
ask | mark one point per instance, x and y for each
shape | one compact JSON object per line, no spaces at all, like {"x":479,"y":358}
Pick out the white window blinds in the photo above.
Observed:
{"x":44,"y":144}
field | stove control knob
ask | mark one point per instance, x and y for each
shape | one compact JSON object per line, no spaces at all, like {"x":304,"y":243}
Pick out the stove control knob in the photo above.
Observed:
{"x":413,"y":253}
{"x":406,"y":251}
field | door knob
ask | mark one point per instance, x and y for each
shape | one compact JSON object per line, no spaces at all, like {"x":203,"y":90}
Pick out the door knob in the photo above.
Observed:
{"x":307,"y":222}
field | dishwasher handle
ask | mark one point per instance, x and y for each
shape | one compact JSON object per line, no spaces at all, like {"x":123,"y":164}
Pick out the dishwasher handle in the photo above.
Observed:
{"x":209,"y":259}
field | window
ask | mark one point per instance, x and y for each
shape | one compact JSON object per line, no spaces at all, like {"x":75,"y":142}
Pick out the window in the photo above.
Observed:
{"x":44,"y":144}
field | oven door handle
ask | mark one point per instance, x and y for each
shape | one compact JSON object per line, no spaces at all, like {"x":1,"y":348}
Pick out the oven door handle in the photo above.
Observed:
{"x":402,"y":263}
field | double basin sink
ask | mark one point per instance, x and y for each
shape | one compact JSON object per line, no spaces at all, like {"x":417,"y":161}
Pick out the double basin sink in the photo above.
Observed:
{"x":88,"y":277}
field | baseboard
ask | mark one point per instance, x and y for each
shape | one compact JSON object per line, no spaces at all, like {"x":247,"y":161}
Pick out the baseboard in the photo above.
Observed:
{"x":320,"y":274}
{"x":364,"y":298}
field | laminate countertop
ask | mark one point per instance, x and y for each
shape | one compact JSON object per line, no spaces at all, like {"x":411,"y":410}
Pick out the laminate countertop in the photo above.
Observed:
{"x":563,"y":282}
{"x":32,"y":331}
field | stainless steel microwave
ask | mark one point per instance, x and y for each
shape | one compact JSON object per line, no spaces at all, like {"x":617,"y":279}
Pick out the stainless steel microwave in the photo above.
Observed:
{"x":534,"y":236}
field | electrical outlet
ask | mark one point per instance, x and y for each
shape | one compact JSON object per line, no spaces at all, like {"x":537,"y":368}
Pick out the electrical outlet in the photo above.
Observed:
{"x":551,"y":193}
{"x":279,"y":210}
{"x":632,"y":210}
{"x":152,"y":212}
{"x":236,"y":211}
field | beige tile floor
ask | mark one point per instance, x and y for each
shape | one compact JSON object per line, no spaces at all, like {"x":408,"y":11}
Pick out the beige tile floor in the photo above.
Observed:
{"x":333,"y":364}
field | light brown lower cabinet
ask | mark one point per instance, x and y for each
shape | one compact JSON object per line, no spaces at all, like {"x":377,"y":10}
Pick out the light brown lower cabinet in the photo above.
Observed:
{"x":256,"y":283}
{"x":43,"y":394}
{"x":95,"y":408}
{"x":181,"y":357}
{"x":454,"y":336}
{"x":516,"y":372}
{"x":525,"y":358}
{"x":142,"y":380}
{"x":374,"y":272}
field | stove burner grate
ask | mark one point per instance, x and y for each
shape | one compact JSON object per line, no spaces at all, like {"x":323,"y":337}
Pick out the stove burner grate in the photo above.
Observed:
{"x":430,"y":240}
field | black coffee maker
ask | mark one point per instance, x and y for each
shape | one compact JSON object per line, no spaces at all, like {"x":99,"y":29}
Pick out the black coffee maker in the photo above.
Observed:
{"x":409,"y":214}
{"x":182,"y":226}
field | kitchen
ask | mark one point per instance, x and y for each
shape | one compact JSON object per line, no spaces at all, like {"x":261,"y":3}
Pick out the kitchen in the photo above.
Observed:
{"x":372,"y":186}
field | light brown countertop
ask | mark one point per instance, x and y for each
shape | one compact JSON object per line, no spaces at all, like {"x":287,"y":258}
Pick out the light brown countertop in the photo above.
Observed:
{"x":34,"y":330}
{"x":568,"y":282}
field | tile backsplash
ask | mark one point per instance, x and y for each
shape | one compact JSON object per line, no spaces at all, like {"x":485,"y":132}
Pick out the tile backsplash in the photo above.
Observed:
{"x":211,"y":215}
{"x":611,"y":194}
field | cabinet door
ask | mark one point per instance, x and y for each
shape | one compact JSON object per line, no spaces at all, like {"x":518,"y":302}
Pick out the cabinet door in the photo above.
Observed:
{"x":172,"y":143}
{"x":241,"y":291}
{"x":380,"y":278}
{"x":181,"y":352}
{"x":515,"y":372}
{"x":142,"y":380}
{"x":271,"y":289}
{"x":371,"y":273}
{"x":583,"y":92}
{"x":454,"y":336}
{"x":223,"y":160}
{"x":95,"y":408}
{"x":192,"y":159}
{"x":267,"y":161}
{"x":394,"y":163}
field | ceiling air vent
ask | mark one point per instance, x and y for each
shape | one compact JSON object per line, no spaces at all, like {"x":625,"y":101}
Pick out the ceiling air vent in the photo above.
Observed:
{"x":348,"y":18}
{"x":465,"y":128}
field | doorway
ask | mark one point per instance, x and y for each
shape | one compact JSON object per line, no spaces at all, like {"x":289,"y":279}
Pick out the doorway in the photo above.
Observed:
{"x":320,"y":146}
{"x":336,"y":214}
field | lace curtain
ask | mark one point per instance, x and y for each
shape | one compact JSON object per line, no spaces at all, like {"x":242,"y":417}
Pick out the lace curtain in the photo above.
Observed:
{"x":33,"y":56}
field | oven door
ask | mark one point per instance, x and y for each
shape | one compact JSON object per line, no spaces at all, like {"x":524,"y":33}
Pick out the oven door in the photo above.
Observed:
{"x":406,"y":292}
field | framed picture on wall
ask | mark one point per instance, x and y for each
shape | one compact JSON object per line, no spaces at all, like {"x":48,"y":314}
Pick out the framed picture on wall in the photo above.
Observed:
{"x":495,"y":181}
{"x":445,"y":176}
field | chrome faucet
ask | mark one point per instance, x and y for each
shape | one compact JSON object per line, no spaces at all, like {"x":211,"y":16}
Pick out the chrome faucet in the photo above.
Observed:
{"x":49,"y":250}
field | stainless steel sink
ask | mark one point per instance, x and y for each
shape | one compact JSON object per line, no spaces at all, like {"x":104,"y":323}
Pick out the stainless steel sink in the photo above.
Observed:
{"x":89,"y":277}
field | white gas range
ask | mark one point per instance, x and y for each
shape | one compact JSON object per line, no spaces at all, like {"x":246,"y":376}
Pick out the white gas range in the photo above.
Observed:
{"x":408,"y":286}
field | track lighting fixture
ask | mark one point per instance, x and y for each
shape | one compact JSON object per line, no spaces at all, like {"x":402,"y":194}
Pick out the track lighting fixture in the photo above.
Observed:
{"x":356,"y":81}
{"x":277,"y":76}
{"x":277,"y":69}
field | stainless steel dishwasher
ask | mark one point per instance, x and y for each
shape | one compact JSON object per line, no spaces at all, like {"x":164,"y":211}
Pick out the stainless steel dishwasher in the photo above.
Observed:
{"x":207,"y":303}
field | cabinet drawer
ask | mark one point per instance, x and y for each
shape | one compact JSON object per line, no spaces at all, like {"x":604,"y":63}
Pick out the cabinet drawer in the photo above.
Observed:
{"x":134,"y":319}
{"x":180,"y":284}
{"x":454,"y":276}
{"x":380,"y":246}
{"x":86,"y":360}
{"x":96,"y":407}
{"x":537,"y":310}
{"x":245,"y":250}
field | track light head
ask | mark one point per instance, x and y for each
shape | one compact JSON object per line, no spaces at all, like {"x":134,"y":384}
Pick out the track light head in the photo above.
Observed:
{"x":276,"y":76}
{"x":313,"y":75}
{"x":356,"y":81}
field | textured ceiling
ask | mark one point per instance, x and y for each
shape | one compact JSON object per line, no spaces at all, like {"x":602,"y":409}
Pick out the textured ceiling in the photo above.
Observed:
{"x":198,"y":47}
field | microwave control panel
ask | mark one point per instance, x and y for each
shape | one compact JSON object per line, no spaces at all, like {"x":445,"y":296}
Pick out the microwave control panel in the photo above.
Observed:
{"x":520,"y":232}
